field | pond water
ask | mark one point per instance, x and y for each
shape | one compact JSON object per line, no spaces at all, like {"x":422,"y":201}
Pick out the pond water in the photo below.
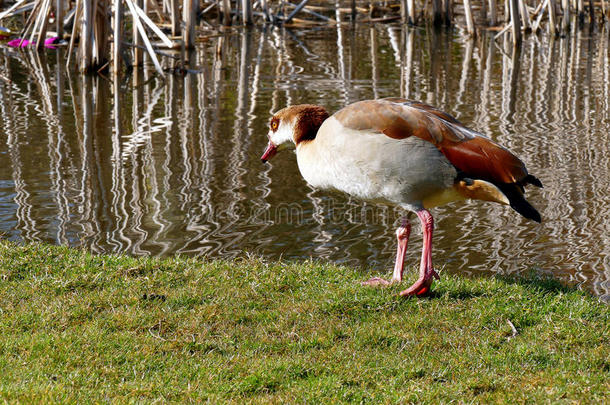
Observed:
{"x":157,"y":167}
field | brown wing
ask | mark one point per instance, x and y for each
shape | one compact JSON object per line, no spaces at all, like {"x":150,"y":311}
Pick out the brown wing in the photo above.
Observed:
{"x":470,"y":152}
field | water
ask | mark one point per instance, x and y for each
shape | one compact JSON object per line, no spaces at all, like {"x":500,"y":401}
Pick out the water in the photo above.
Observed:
{"x":153,"y":167}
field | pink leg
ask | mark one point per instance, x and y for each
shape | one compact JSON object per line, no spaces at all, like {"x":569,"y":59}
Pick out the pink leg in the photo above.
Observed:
{"x":402,"y":236}
{"x":426,"y":271}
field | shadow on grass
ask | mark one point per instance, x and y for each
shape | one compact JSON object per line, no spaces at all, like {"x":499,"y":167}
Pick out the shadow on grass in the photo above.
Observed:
{"x":462,"y":294}
{"x":538,"y":281}
{"x":532,"y":281}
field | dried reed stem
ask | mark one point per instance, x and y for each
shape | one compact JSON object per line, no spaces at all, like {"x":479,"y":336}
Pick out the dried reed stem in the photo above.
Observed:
{"x":117,"y":35}
{"x":246,"y":11}
{"x":469,"y":19}
{"x":565,"y":22}
{"x":515,"y":21}
{"x":552,"y":17}
{"x":493,"y":12}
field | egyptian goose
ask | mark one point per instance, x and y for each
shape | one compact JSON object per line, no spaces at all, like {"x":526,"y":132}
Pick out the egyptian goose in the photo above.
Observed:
{"x":404,"y":153}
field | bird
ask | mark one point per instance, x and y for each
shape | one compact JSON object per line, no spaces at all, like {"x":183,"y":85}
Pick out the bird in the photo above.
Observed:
{"x":404,"y":153}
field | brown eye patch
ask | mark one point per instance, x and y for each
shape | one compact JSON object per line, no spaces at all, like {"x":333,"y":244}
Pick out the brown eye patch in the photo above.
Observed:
{"x":275,"y":123}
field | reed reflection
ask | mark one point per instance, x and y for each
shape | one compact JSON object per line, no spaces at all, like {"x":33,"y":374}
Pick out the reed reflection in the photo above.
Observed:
{"x":157,"y":167}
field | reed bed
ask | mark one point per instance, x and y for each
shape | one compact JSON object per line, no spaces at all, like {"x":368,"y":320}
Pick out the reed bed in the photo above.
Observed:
{"x":116,"y":34}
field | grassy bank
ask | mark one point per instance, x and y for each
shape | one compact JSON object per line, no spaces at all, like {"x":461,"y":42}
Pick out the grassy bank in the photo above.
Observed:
{"x":75,"y":327}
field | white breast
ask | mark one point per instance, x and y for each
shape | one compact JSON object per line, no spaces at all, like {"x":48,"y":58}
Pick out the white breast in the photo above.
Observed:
{"x":372,"y":166}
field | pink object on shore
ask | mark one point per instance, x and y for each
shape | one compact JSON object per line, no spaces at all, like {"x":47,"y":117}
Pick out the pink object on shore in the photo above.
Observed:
{"x":19,"y":43}
{"x":22,"y":43}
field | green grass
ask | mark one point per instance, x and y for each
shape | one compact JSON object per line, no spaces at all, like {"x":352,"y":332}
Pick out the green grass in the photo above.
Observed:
{"x":81,"y":328}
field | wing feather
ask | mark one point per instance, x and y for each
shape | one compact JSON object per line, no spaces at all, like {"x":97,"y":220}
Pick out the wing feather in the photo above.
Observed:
{"x":470,"y":152}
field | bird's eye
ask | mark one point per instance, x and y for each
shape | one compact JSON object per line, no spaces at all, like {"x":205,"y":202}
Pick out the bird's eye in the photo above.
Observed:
{"x":274,"y":125}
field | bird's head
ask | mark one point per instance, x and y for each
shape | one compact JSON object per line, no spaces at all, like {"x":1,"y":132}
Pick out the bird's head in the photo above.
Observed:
{"x":293,"y":125}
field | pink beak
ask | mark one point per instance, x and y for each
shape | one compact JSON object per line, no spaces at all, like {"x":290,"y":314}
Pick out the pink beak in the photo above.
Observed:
{"x":269,"y":152}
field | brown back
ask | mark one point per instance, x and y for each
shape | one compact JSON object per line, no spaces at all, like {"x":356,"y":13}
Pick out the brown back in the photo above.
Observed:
{"x":467,"y":150}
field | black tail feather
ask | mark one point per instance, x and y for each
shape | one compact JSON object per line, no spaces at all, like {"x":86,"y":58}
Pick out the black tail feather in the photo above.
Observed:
{"x":533,"y":180}
{"x":518,"y":201}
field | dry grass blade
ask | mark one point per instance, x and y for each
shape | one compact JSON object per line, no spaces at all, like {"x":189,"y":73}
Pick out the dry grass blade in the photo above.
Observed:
{"x":513,"y":329}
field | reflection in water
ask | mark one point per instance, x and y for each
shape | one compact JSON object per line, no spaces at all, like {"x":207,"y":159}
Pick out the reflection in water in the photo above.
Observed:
{"x":153,"y":167}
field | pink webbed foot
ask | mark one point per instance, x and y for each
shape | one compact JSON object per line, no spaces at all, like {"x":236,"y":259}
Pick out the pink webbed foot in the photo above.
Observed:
{"x":420,"y":288}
